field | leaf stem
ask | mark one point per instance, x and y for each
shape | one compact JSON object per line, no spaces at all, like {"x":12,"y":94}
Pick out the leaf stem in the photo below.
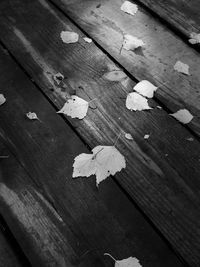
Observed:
{"x":107,"y":254}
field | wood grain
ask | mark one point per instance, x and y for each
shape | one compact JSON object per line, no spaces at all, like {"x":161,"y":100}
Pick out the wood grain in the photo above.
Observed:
{"x":107,"y":24}
{"x":59,"y":221}
{"x":181,"y":14}
{"x":162,"y":174}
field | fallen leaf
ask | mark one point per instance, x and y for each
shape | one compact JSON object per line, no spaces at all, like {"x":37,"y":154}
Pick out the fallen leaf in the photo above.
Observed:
{"x":128,"y":136}
{"x":146,"y":136}
{"x":58,"y":77}
{"x":103,"y":162}
{"x":194,"y":38}
{"x":190,"y":139}
{"x":75,"y":107}
{"x":181,"y":67}
{"x":159,"y":107}
{"x":183,"y":115}
{"x":131,"y":42}
{"x":129,"y":8}
{"x":135,"y":101}
{"x":32,"y":116}
{"x":115,"y":76}
{"x":69,"y":37}
{"x":2,"y":99}
{"x":86,"y":39}
{"x":145,"y":88}
{"x":129,"y":262}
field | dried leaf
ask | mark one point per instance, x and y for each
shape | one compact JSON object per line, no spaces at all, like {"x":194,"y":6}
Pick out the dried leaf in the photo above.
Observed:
{"x":145,"y":88}
{"x":32,"y":116}
{"x":69,"y":37}
{"x":2,"y":99}
{"x":194,"y":38}
{"x":129,"y":8}
{"x":191,"y":139}
{"x":103,"y":162}
{"x":128,"y":136}
{"x":75,"y":107}
{"x":115,"y":75}
{"x":129,"y":262}
{"x":135,"y":101}
{"x":146,"y":136}
{"x":86,"y":39}
{"x":182,"y":67}
{"x":131,"y":42}
{"x":58,"y":77}
{"x":183,"y":115}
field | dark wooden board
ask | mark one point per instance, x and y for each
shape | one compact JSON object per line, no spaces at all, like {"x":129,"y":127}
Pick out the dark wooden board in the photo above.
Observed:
{"x":162,"y":173}
{"x":59,"y":221}
{"x":183,"y":15}
{"x":106,"y":23}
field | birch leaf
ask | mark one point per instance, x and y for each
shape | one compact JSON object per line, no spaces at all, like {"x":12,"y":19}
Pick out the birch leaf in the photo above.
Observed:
{"x":129,"y":262}
{"x":58,"y":78}
{"x":129,"y":8}
{"x":194,"y":38}
{"x":135,"y":101}
{"x":115,"y":76}
{"x":183,"y":115}
{"x":75,"y":107}
{"x":86,"y":39}
{"x":131,"y":42}
{"x":182,"y":67}
{"x":32,"y":116}
{"x":2,"y":99}
{"x":69,"y":37}
{"x":103,"y":162}
{"x":128,"y":136}
{"x":145,"y":88}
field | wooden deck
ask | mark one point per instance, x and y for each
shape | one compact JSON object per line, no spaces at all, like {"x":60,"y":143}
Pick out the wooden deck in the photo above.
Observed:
{"x":149,"y":210}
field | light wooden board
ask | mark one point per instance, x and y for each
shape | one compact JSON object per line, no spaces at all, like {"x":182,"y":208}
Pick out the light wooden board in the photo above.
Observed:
{"x":59,"y":221}
{"x":157,"y":170}
{"x":107,"y":24}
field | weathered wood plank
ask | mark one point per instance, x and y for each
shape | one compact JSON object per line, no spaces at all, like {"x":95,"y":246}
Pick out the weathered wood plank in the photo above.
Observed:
{"x":181,"y":14}
{"x":106,"y":23}
{"x":57,"y":220}
{"x":10,"y":253}
{"x":157,"y":170}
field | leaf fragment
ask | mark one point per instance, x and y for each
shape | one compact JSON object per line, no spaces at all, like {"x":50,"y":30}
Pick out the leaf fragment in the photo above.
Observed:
{"x":182,"y":67}
{"x":191,"y":139}
{"x":58,"y":77}
{"x":69,"y":37}
{"x":87,"y":40}
{"x":183,"y":115}
{"x":145,"y":88}
{"x":32,"y":116}
{"x":115,"y":76}
{"x":103,"y":162}
{"x":194,"y":38}
{"x":146,"y":136}
{"x":135,"y":101}
{"x":131,"y":42}
{"x":128,"y":136}
{"x":75,"y":107}
{"x":129,"y":262}
{"x":129,"y":8}
{"x":2,"y":99}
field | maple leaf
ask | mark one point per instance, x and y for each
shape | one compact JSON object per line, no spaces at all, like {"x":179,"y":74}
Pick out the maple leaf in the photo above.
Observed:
{"x":129,"y":262}
{"x":32,"y":116}
{"x":115,"y":76}
{"x":2,"y":99}
{"x":131,"y":42}
{"x":103,"y":162}
{"x":182,"y":67}
{"x":194,"y":38}
{"x":69,"y":37}
{"x":183,"y":115}
{"x":135,"y":101}
{"x":129,"y":8}
{"x":145,"y":88}
{"x":75,"y":107}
